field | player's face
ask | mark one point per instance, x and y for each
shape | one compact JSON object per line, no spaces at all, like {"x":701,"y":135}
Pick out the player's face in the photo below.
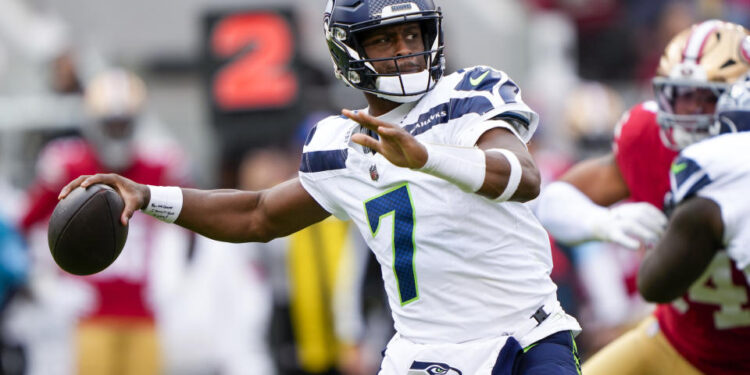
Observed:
{"x":118,"y":128}
{"x":394,"y":41}
{"x":695,"y":101}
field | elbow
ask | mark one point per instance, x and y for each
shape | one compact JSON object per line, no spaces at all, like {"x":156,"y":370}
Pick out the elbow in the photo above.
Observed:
{"x":653,"y":292}
{"x":257,"y":233}
{"x":530,"y":186}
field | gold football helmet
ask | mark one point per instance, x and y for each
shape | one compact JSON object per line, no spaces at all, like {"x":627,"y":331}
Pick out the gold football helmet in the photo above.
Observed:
{"x":114,"y":101}
{"x":697,"y":66}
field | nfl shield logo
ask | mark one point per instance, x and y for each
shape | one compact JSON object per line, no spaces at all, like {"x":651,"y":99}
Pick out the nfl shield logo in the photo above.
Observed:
{"x":374,"y":173}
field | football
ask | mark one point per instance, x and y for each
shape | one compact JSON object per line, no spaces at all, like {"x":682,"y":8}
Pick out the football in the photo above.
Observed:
{"x":85,"y":234}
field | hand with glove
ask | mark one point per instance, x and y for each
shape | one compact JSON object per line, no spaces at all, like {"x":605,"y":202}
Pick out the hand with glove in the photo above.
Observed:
{"x":571,"y":217}
{"x":630,"y":225}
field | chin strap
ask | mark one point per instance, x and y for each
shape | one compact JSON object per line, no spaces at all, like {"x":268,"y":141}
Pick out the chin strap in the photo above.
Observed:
{"x":398,"y":88}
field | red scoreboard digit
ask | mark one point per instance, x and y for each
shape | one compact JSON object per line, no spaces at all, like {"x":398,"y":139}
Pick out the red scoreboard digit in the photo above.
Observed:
{"x":251,"y":78}
{"x":259,"y":48}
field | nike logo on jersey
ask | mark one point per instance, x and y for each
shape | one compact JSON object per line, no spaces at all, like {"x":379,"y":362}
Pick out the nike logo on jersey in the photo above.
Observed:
{"x":478,"y":80}
{"x":677,"y":168}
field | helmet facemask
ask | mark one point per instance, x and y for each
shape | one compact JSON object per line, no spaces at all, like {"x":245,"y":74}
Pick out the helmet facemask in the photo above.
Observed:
{"x":733,"y":109}
{"x":112,"y":138}
{"x":678,"y":130}
{"x":356,"y":69}
{"x":114,"y":101}
{"x":701,"y":61}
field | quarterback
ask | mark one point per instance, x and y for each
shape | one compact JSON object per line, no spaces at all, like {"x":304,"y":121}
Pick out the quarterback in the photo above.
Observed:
{"x":433,"y":173}
{"x":697,"y":66}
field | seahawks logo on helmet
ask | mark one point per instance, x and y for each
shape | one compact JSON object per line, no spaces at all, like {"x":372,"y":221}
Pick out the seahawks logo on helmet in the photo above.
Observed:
{"x":432,"y":368}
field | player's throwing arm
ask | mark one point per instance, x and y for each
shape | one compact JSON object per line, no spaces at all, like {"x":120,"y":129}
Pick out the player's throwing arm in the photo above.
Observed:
{"x":225,"y":215}
{"x":501,"y":168}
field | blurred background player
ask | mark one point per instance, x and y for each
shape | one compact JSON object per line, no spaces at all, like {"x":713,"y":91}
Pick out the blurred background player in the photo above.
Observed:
{"x":14,"y":266}
{"x":696,"y":67}
{"x":597,"y":278}
{"x":116,"y":331}
{"x":703,"y":256}
{"x":220,"y":293}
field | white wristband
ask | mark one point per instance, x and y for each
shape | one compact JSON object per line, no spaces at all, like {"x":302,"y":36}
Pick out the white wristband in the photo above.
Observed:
{"x":165,"y":203}
{"x":463,"y":166}
{"x":516,"y":171}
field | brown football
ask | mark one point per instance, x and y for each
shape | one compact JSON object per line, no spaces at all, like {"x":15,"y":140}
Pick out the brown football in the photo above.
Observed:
{"x":85,"y":234}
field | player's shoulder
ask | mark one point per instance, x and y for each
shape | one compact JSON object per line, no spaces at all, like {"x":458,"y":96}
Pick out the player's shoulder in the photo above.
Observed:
{"x":64,"y":158}
{"x":478,"y":78}
{"x":638,"y":129}
{"x":715,"y":160}
{"x":66,"y":149}
{"x":326,"y":148}
{"x":480,"y":93}
{"x":330,"y":133}
{"x":637,"y":120}
{"x":719,"y":156}
{"x":719,"y":149}
{"x":474,"y":81}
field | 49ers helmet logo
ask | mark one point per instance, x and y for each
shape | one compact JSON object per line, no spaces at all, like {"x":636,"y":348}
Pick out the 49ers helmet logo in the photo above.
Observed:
{"x":745,"y":48}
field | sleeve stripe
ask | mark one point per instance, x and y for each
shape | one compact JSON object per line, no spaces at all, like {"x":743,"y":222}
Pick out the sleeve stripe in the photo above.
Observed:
{"x":443,"y":113}
{"x":687,"y":178}
{"x":321,"y":161}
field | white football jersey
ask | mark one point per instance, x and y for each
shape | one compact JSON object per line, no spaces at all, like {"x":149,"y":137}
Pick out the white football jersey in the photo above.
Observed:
{"x":456,"y":266}
{"x":719,"y":169}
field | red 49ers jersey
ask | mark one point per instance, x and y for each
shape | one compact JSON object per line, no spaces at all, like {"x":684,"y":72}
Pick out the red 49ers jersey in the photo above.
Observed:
{"x":689,"y":323}
{"x":643,"y":159}
{"x":120,"y":289}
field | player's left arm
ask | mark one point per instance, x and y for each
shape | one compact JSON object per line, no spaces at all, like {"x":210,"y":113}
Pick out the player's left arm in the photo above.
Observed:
{"x":500,"y":160}
{"x":693,"y":236}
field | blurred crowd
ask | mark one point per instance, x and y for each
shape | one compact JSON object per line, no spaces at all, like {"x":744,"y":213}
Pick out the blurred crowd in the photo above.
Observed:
{"x":312,"y":303}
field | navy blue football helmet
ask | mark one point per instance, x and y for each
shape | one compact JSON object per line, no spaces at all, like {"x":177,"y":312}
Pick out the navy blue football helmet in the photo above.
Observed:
{"x":733,"y":109}
{"x":344,"y":22}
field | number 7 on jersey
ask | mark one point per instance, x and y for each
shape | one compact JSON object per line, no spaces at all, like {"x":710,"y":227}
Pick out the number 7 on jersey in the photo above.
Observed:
{"x":397,"y":202}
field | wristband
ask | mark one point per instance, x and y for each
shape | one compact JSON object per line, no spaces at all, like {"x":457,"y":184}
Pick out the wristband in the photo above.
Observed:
{"x":515,"y":174}
{"x":165,"y":203}
{"x":463,"y":166}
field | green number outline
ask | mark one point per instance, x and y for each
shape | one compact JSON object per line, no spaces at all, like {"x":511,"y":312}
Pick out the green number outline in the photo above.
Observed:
{"x":393,"y":238}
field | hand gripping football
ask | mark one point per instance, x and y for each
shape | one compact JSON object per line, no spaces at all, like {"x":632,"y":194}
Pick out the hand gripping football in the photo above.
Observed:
{"x":85,"y":234}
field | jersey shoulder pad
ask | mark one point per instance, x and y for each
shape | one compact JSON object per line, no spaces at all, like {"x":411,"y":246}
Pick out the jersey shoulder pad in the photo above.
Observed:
{"x":480,"y":78}
{"x":635,"y":126}
{"x":492,"y":95}
{"x":493,"y":84}
{"x":330,"y":133}
{"x":687,"y":177}
{"x":62,"y":159}
{"x":326,"y":146}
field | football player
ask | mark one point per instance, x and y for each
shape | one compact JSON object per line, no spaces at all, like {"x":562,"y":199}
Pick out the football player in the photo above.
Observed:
{"x":116,"y":333}
{"x":433,"y":173}
{"x":703,"y":256}
{"x":696,"y":67}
